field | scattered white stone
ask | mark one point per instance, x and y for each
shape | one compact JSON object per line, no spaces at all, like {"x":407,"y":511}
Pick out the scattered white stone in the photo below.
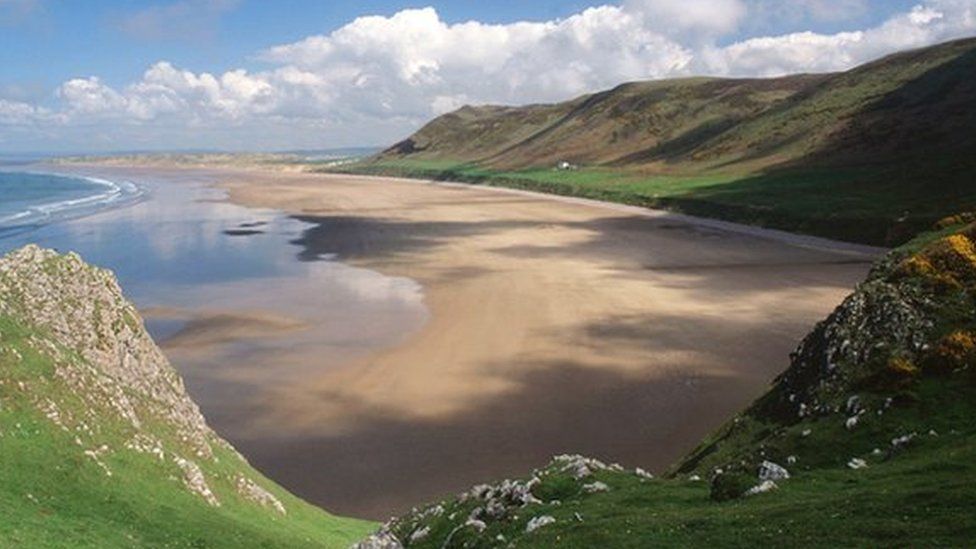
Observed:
{"x":250,"y":490}
{"x":380,"y":540}
{"x":694,"y":478}
{"x":898,"y":442}
{"x":420,"y":534}
{"x":195,"y":481}
{"x":933,"y":433}
{"x":772,"y":471}
{"x":790,"y":460}
{"x":478,"y":525}
{"x":851,"y":422}
{"x":595,"y":487}
{"x":643,"y":474}
{"x":857,"y":463}
{"x":538,"y":522}
{"x":761,"y":488}
{"x":578,"y":467}
{"x":96,"y":456}
{"x":433,"y":511}
{"x":806,"y":433}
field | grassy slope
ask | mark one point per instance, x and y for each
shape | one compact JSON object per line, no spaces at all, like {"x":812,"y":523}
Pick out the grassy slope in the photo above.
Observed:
{"x":920,"y":493}
{"x":871,"y":155}
{"x":54,"y":495}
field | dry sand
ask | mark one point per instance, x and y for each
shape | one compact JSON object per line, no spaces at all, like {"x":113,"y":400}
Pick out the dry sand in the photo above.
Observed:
{"x":555,"y":326}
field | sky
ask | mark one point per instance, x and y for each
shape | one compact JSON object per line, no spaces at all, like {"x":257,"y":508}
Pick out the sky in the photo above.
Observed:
{"x":101,"y":76}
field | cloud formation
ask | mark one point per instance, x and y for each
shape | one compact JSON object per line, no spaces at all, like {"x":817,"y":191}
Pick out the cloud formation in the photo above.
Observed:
{"x":377,"y":78}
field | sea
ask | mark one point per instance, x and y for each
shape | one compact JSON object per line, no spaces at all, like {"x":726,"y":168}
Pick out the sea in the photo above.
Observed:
{"x":237,"y":302}
{"x":31,"y":199}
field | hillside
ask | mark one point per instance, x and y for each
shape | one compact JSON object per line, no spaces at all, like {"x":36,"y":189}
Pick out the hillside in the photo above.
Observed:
{"x":872,"y":155}
{"x":871,"y":113}
{"x":866,"y":439}
{"x":100,"y":445}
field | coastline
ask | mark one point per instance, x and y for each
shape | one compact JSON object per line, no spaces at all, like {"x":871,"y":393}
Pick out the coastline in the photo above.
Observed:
{"x":557,"y":325}
{"x":119,"y":194}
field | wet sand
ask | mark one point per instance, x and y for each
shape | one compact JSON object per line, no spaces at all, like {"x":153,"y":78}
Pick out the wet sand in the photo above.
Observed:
{"x":554,"y":326}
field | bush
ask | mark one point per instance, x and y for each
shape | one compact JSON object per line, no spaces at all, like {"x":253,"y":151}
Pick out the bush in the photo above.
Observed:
{"x":953,"y":220}
{"x":948,"y":263}
{"x":731,"y":485}
{"x":953,"y":352}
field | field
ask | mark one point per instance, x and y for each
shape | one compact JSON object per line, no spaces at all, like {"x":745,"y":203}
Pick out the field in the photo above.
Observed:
{"x":869,"y":205}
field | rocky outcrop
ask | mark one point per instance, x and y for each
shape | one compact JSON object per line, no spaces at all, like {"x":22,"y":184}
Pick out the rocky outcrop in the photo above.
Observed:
{"x":124,"y":394}
{"x":82,"y":308}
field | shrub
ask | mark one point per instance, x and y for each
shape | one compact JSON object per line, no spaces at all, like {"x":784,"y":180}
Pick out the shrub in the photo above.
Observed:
{"x":731,"y":485}
{"x":952,"y":220}
{"x":953,"y":352}
{"x":948,"y":263}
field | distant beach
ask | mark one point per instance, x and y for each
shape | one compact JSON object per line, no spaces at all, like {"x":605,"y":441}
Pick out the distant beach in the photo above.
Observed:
{"x":371,"y":343}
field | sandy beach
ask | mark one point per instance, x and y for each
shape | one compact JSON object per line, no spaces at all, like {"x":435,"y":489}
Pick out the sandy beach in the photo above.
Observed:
{"x":554,"y":326}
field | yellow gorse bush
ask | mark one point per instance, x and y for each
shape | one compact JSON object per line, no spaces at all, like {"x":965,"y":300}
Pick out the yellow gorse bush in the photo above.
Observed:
{"x":953,"y":220}
{"x":954,"y":351}
{"x":950,"y":261}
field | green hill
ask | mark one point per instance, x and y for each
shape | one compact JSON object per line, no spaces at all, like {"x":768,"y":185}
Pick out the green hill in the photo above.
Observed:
{"x":873,"y":155}
{"x":100,"y":446}
{"x":867,"y":439}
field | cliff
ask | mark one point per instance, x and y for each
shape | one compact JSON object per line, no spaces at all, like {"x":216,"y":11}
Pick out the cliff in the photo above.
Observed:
{"x":99,"y":441}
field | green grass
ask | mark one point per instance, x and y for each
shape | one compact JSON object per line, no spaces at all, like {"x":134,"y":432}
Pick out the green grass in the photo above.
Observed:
{"x":921,"y":496}
{"x":52,"y":495}
{"x":871,"y":155}
{"x":878,"y":205}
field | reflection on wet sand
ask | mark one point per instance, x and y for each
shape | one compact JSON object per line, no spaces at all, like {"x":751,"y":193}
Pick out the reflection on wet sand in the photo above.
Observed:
{"x":238,"y":314}
{"x":554,"y":327}
{"x":396,"y":341}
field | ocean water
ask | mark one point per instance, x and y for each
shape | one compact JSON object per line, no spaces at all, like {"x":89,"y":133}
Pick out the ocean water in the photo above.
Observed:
{"x":31,"y":199}
{"x":238,"y":306}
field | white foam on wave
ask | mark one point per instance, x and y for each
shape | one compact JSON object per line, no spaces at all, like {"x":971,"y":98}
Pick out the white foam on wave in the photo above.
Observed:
{"x":117,"y":194}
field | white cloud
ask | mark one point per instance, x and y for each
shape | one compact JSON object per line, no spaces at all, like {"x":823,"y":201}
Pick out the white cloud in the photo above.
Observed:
{"x":16,"y":113}
{"x":928,"y":23}
{"x":376,"y":78}
{"x":88,"y":96}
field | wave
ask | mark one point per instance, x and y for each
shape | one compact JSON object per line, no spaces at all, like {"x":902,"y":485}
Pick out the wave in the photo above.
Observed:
{"x":116,"y":194}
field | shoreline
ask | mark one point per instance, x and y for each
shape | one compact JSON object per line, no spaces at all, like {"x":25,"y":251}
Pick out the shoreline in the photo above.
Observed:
{"x":557,"y":325}
{"x":791,"y":238}
{"x":119,"y":194}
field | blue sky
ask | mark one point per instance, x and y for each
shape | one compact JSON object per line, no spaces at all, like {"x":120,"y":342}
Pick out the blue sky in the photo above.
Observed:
{"x":63,"y":39}
{"x":307,"y":74}
{"x":87,"y":38}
